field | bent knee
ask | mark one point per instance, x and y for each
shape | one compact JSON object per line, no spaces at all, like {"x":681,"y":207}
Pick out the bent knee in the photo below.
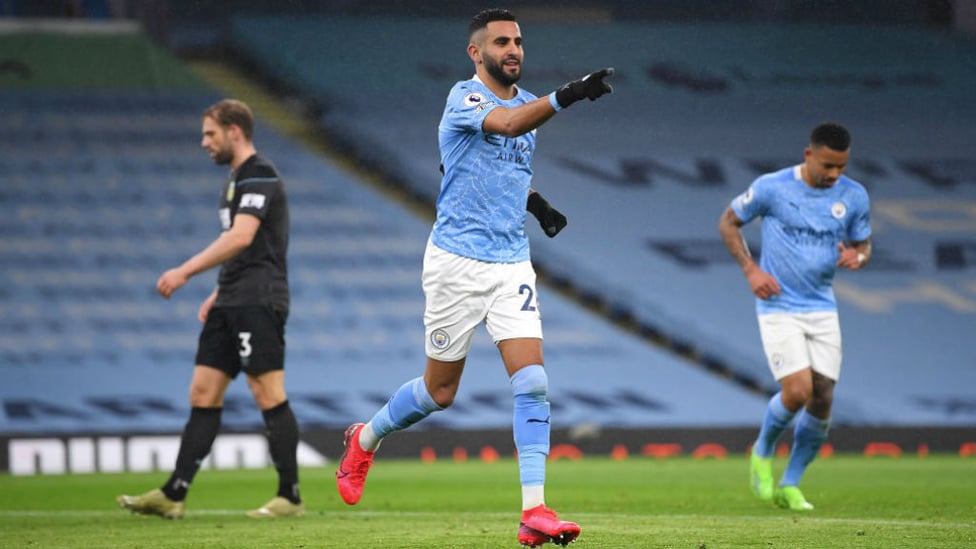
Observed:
{"x":820,"y":405}
{"x":796,"y":396}
{"x":444,"y":403}
{"x":443,"y":396}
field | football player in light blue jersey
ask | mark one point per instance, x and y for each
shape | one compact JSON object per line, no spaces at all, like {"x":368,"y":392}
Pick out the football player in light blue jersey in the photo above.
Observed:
{"x":477,"y":267}
{"x":814,"y":220}
{"x":481,"y":207}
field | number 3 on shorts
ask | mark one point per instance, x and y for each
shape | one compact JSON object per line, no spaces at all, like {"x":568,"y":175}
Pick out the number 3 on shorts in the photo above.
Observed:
{"x":245,"y":350}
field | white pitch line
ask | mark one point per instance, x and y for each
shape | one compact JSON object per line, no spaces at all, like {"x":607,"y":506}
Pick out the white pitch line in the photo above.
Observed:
{"x":313,"y":512}
{"x":808,"y":518}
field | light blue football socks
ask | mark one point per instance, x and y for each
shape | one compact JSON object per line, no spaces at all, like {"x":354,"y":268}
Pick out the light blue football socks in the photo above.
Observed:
{"x":808,"y":436}
{"x":775,"y":421}
{"x":408,"y":405}
{"x":530,"y":423}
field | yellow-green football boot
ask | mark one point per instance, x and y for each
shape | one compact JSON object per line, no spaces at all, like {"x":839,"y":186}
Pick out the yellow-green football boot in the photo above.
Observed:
{"x":761,"y":477}
{"x":790,"y":497}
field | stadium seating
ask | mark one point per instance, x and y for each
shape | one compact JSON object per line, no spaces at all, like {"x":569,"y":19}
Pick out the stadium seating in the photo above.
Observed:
{"x":103,"y":191}
{"x":699,"y":111}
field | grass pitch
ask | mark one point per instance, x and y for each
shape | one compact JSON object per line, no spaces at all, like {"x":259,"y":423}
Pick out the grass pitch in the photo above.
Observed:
{"x":639,"y":502}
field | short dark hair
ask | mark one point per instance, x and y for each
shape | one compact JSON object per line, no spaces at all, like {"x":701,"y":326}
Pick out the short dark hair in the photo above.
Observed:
{"x":231,"y":112}
{"x":831,"y":135}
{"x":484,"y":17}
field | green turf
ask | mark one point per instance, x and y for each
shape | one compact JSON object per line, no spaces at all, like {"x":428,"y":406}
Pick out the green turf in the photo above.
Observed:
{"x":640,"y":502}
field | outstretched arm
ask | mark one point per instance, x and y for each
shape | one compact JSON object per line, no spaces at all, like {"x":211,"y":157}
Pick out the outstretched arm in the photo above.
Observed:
{"x":515,"y":121}
{"x":512,"y":122}
{"x":763,"y":284}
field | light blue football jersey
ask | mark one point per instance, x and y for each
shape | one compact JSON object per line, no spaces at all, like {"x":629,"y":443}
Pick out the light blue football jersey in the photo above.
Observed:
{"x":481,"y":205}
{"x":801,"y":227}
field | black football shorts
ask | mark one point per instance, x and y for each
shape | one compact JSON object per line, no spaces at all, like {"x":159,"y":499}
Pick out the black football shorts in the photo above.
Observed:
{"x":249,"y":339}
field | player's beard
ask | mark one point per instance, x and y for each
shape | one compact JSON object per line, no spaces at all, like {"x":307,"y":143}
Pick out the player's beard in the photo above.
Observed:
{"x":821,"y":181}
{"x":497,"y":71}
{"x":223,"y":156}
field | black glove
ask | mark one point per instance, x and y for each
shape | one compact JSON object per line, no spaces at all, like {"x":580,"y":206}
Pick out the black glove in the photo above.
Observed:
{"x":549,"y":218}
{"x":589,"y":87}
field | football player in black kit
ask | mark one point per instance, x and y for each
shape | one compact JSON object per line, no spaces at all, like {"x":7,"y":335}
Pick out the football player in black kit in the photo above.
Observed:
{"x":243,"y":319}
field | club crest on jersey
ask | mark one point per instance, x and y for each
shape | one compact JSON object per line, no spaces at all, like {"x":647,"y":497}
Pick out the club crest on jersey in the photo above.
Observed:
{"x":838,"y":210}
{"x":440,"y":339}
{"x":230,"y":192}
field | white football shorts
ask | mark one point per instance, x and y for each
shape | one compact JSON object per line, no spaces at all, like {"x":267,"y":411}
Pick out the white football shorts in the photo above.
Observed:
{"x":794,"y":341}
{"x":462,"y":292}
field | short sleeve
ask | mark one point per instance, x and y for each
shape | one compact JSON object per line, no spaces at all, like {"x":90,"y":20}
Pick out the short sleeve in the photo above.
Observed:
{"x":467,"y":108}
{"x":751,"y":203}
{"x":256,"y":189}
